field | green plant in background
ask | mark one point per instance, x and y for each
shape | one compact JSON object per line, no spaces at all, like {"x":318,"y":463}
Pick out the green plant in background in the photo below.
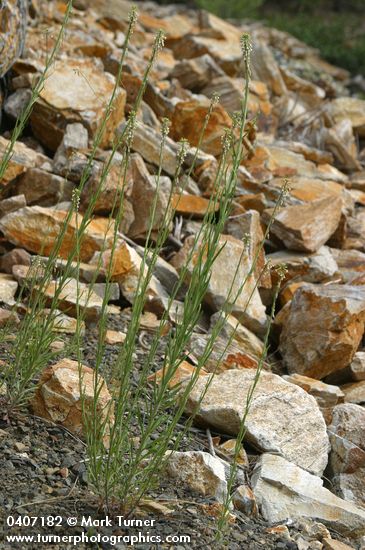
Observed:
{"x":234,"y":9}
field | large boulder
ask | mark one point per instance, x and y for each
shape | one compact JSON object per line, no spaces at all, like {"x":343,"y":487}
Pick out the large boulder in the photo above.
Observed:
{"x":282,"y":417}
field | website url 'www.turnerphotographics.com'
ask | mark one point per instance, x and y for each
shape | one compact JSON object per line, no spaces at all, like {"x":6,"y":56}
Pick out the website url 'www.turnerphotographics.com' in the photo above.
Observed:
{"x":29,"y":523}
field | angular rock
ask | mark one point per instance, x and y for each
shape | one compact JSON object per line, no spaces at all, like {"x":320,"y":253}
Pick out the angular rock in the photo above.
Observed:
{"x":86,"y":83}
{"x":143,"y":198}
{"x":114,"y":337}
{"x":200,"y":472}
{"x":332,"y":544}
{"x":312,"y":268}
{"x":284,"y":491}
{"x":17,"y":256}
{"x":347,"y":457}
{"x":282,"y":417}
{"x":354,"y":393}
{"x":35,"y":228}
{"x":341,"y":142}
{"x":241,"y":335}
{"x":248,"y":308}
{"x":336,"y":316}
{"x":23,"y":157}
{"x":306,"y":227}
{"x":188,"y":119}
{"x":192,"y":205}
{"x":266,"y":69}
{"x":8,"y":318}
{"x":196,"y":73}
{"x":351,"y":108}
{"x":325,"y":394}
{"x":58,"y":398}
{"x":244,"y":500}
{"x":357,"y":366}
{"x":43,"y":188}
{"x":71,"y":295}
{"x":8,"y":288}
{"x":184,"y":370}
{"x":12,"y":204}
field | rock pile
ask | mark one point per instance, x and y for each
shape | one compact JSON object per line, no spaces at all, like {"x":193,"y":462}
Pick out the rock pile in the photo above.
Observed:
{"x":308,"y":129}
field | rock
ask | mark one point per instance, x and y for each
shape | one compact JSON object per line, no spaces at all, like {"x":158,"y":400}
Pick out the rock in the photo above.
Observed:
{"x":341,"y":142}
{"x":300,"y":437}
{"x":194,"y":74}
{"x":12,"y":204}
{"x":248,"y":308}
{"x":247,"y":227}
{"x":306,"y":227}
{"x":354,"y":393}
{"x":243,"y":337}
{"x":143,"y":198}
{"x":86,"y":82}
{"x":126,"y":265}
{"x":17,"y":256}
{"x":147,"y":141}
{"x":351,"y":263}
{"x":68,"y":159}
{"x":114,"y":337}
{"x":35,"y":228}
{"x":73,"y":295}
{"x":192,"y":205}
{"x":13,"y":23}
{"x":23,"y":157}
{"x":8,"y":318}
{"x":43,"y":188}
{"x":351,"y":108}
{"x":265,"y":68}
{"x":224,"y":355}
{"x":244,"y":500}
{"x":16,"y":102}
{"x":200,"y":472}
{"x":109,"y":193}
{"x":65,"y":324}
{"x":57,"y":397}
{"x":357,"y":367}
{"x":312,"y":268}
{"x":285,"y":491}
{"x":336,"y":315}
{"x":188,"y":120}
{"x":347,"y":457}
{"x":182,"y":372}
{"x":229,"y":449}
{"x":325,"y":394}
{"x":8,"y":288}
{"x":332,"y":544}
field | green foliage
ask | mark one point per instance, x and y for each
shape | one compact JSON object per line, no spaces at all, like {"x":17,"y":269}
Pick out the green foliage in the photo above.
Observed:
{"x":338,"y":37}
{"x":236,"y":9}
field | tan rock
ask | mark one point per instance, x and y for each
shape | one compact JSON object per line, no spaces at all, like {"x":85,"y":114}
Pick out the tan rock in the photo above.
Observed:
{"x":201,"y":472}
{"x":196,"y":73}
{"x":312,"y":268}
{"x":125,"y":269}
{"x":341,"y":142}
{"x":308,"y":189}
{"x":266,"y":69}
{"x":23,"y":157}
{"x":306,"y":226}
{"x":64,"y":324}
{"x":325,"y":394}
{"x":187,"y":122}
{"x":351,"y":263}
{"x":244,"y":500}
{"x":8,"y":288}
{"x":243,"y":337}
{"x":147,"y":193}
{"x":248,"y":308}
{"x":224,"y":355}
{"x":357,"y":367}
{"x":350,"y":108}
{"x":335,"y":315}
{"x":43,"y":188}
{"x":354,"y":393}
{"x":271,"y":423}
{"x":86,"y":82}
{"x":347,"y":458}
{"x":17,"y":256}
{"x":58,"y":398}
{"x":35,"y":228}
{"x":184,"y":370}
{"x":193,"y":205}
{"x":12,"y":204}
{"x":114,"y":337}
{"x":285,"y":491}
{"x":73,"y":295}
{"x":247,"y":227}
{"x":8,"y":318}
{"x":332,"y":544}
{"x":228,"y":55}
